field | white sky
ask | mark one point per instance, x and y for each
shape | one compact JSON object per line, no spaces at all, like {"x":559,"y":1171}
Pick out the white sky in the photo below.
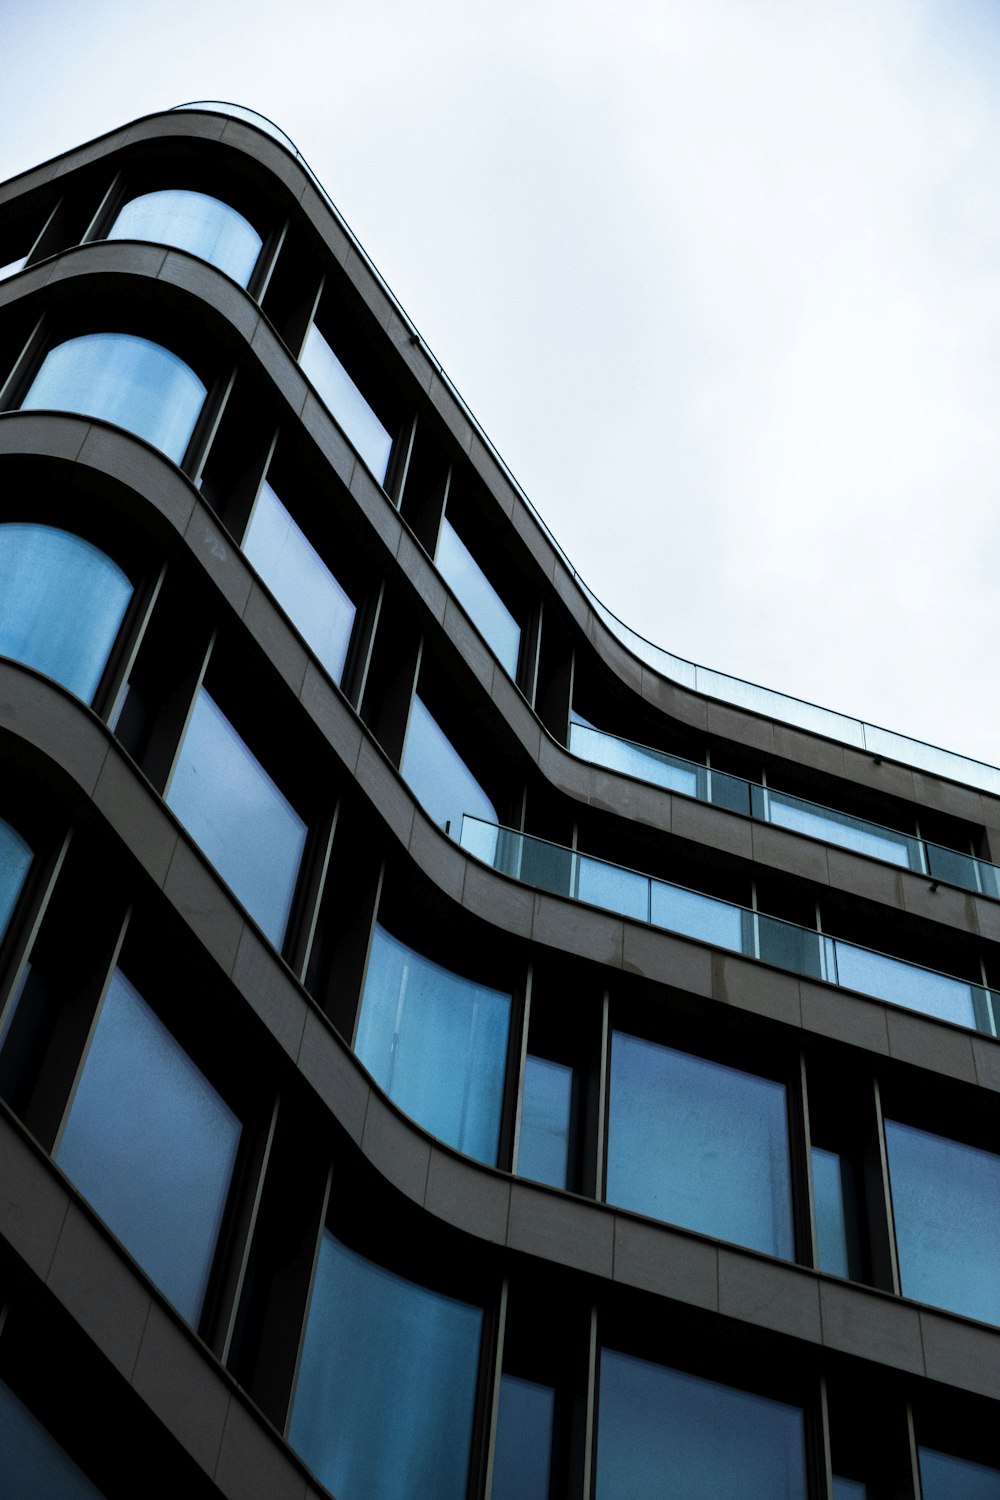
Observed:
{"x":720,"y":278}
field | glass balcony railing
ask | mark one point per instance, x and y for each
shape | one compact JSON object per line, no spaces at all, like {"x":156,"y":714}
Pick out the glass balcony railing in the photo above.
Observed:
{"x":784,"y":811}
{"x":720,"y":685}
{"x":721,"y":924}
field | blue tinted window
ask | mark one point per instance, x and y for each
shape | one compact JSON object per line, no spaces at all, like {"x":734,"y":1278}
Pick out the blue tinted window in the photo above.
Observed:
{"x":833,"y":1191}
{"x":697,"y":916}
{"x":700,"y":1145}
{"x":346,"y":403}
{"x":193,"y":222}
{"x":300,"y":581}
{"x":946,"y":1205}
{"x":438,"y":775}
{"x":152,"y":1146}
{"x":543,"y":1151}
{"x":387,"y":1384}
{"x":33,"y":1465}
{"x":125,"y":380}
{"x":849,"y":1489}
{"x":904,"y":984}
{"x":663,"y":1433}
{"x":478,"y":596}
{"x":230,"y":805}
{"x":15,"y":859}
{"x":61,"y":604}
{"x":437,"y":1044}
{"x":522,"y":1456}
{"x":945,"y":1478}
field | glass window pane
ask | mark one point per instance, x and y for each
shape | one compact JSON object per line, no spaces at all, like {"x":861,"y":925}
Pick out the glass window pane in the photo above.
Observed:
{"x":438,"y":776}
{"x":300,"y":581}
{"x":697,"y":916}
{"x":387,"y":1384}
{"x":831,"y":1195}
{"x":346,"y":402}
{"x":849,"y":1489}
{"x":125,"y":380}
{"x":700,"y":1145}
{"x":789,"y":947}
{"x":15,"y":859}
{"x":193,"y":222}
{"x":522,"y":1457}
{"x":233,"y":809}
{"x":477,"y":595}
{"x":663,"y":1433}
{"x":33,"y":1465}
{"x":841,"y":829}
{"x":943,"y":1477}
{"x":152,"y":1146}
{"x":904,"y":984}
{"x":639,"y":761}
{"x":62,"y":603}
{"x":543,"y":1151}
{"x":437,"y":1044}
{"x":946,"y":1204}
{"x":613,"y":888}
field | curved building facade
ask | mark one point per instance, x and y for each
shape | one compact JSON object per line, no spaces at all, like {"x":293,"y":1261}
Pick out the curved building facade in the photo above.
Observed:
{"x":449,"y":1048}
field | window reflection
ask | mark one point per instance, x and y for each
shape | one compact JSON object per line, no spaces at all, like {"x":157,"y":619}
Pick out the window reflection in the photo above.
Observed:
{"x":346,"y":402}
{"x":700,"y":1145}
{"x":946,"y":1206}
{"x":152,"y":1146}
{"x":15,"y":861}
{"x":544,"y":1144}
{"x":438,"y":776}
{"x":62,"y":603}
{"x":477,"y":595}
{"x":234,"y":811}
{"x":300,"y":581}
{"x":122,"y":379}
{"x":194,"y":222}
{"x":386,"y":1391}
{"x":662,"y":1432}
{"x":522,"y":1458}
{"x":436,"y":1043}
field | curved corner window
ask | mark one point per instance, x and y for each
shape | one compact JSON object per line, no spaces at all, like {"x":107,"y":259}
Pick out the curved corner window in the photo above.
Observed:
{"x":243,"y":823}
{"x":62,"y":603}
{"x":152,"y":1146}
{"x":478,"y":597}
{"x":386,"y":1392}
{"x":124,"y":379}
{"x":663,"y":1432}
{"x":438,"y":776}
{"x":300,"y":581}
{"x":437,"y":1044}
{"x":194,"y":222}
{"x":701,"y":1145}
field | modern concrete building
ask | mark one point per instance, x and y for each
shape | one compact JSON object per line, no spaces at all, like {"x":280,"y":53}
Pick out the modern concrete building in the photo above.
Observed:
{"x":449,"y":1047}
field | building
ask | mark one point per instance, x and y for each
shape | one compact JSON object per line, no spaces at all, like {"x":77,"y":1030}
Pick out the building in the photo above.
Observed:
{"x":448,"y":1047}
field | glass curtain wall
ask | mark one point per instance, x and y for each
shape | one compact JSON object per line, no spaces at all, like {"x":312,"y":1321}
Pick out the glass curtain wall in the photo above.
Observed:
{"x":438,"y":776}
{"x":436,"y":1043}
{"x":386,"y":1391}
{"x":245,"y":826}
{"x":194,"y":222}
{"x":701,"y":1145}
{"x":62,"y":603}
{"x":152,"y":1146}
{"x":300,"y":581}
{"x":478,"y":597}
{"x":662,"y":1433}
{"x":346,"y":402}
{"x":125,"y":380}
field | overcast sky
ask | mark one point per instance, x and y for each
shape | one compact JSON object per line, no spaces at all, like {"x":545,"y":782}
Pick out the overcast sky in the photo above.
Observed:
{"x":720,"y":278}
